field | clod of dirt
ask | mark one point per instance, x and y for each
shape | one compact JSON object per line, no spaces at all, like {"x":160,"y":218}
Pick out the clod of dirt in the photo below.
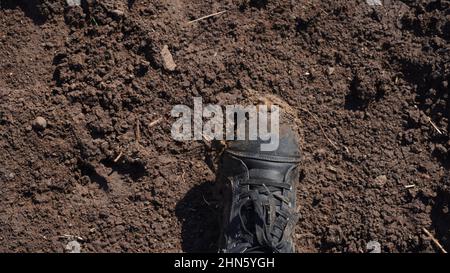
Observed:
{"x":39,"y":123}
{"x":373,"y":247}
{"x":368,"y":85}
{"x":258,"y":3}
{"x":73,"y":247}
{"x":334,"y":235}
{"x":167,"y":59}
{"x":440,"y":150}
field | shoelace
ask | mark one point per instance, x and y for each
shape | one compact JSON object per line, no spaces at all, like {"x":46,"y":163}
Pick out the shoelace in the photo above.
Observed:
{"x":267,"y":216}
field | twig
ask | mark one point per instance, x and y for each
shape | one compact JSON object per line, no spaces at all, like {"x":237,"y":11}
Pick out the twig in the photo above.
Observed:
{"x":70,"y":237}
{"x":153,"y":123}
{"x":434,"y":126}
{"x":118,"y":157}
{"x":321,"y":128}
{"x":138,"y":130}
{"x":207,"y":16}
{"x":182,"y":177}
{"x":434,"y":240}
{"x":322,"y":10}
{"x":410,"y":186}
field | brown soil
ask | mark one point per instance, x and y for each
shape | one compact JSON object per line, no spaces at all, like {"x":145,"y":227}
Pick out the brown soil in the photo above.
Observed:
{"x":370,"y":83}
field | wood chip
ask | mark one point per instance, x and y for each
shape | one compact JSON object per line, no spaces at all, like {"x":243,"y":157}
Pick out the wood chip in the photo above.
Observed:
{"x":167,"y":59}
{"x":155,"y":122}
{"x":207,"y":16}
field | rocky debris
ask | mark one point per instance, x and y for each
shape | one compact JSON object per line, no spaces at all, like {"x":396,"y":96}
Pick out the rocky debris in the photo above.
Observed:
{"x":73,"y":247}
{"x":373,"y":247}
{"x":167,"y":59}
{"x":320,"y":154}
{"x":380,"y":180}
{"x":9,"y":176}
{"x":39,"y":123}
{"x":330,"y":70}
{"x":72,"y":3}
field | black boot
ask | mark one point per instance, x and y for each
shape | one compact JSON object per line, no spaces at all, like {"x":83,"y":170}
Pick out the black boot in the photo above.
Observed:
{"x":259,"y":191}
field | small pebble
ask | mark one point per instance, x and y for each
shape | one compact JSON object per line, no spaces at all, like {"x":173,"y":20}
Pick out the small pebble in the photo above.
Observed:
{"x":332,"y":169}
{"x":40,"y":123}
{"x":373,"y":247}
{"x":381,"y":180}
{"x":73,"y":247}
{"x":117,"y":12}
{"x":330,"y":70}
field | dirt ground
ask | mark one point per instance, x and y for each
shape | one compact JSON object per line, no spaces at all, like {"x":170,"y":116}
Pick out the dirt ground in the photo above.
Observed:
{"x":370,"y":84}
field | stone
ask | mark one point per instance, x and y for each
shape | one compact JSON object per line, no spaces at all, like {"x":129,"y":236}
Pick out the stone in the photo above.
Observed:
{"x":381,"y":180}
{"x":73,"y":247}
{"x":39,"y":123}
{"x":330,"y":70}
{"x":373,"y":247}
{"x":118,"y":13}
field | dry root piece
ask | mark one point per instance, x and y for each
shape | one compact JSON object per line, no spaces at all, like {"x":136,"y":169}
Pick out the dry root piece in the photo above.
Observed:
{"x":434,"y":240}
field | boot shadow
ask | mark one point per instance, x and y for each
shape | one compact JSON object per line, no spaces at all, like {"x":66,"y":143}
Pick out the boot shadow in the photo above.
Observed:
{"x":198,"y":213}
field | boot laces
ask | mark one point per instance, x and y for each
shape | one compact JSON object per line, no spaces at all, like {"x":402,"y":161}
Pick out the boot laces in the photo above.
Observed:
{"x":266,"y":216}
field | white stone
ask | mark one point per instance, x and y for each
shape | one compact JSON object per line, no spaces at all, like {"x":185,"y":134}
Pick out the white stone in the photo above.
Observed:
{"x":73,"y":247}
{"x":373,"y":247}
